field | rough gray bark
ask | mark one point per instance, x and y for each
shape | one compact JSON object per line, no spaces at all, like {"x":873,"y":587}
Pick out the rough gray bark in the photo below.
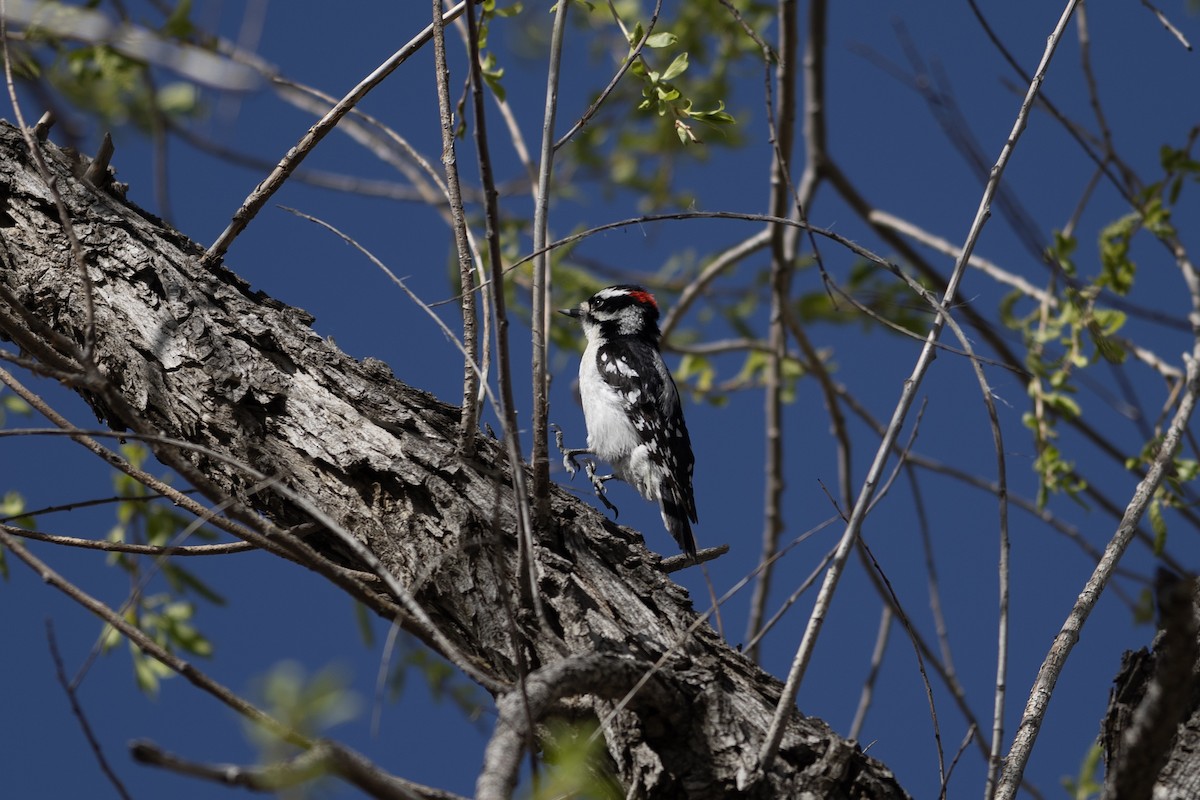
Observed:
{"x":1151,"y":731}
{"x":196,"y":355}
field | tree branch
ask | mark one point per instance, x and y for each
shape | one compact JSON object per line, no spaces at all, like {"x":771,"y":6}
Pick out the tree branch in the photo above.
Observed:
{"x":231,"y":379}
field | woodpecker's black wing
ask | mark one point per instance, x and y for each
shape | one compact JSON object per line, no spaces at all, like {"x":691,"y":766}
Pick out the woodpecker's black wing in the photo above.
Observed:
{"x":636,"y":372}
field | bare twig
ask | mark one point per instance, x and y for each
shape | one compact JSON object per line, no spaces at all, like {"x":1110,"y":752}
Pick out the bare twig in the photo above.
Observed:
{"x":770,"y":745}
{"x":946,"y":247}
{"x":868,"y":690}
{"x":322,"y":758}
{"x":635,"y":53}
{"x":77,"y":710}
{"x":543,"y":280}
{"x":781,"y":133}
{"x":469,"y":417}
{"x":1166,"y":23}
{"x":263,"y":192}
{"x":804,"y":586}
{"x":1064,"y":642}
{"x":905,"y":621}
{"x":151,"y":648}
{"x":725,"y":260}
{"x":417,"y":616}
{"x":136,"y":549}
{"x":962,"y":747}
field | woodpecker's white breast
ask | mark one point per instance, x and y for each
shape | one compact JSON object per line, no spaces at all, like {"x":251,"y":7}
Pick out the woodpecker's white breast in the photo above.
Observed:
{"x":611,"y":435}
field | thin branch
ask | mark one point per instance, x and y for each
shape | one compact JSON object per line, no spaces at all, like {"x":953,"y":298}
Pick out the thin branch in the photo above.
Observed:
{"x":635,"y":53}
{"x":263,"y":192}
{"x":946,"y":247}
{"x":1002,"y":498}
{"x":782,"y":135}
{"x":71,"y":506}
{"x":1068,"y":635}
{"x":962,"y":748}
{"x":1089,"y":76}
{"x":770,"y":745}
{"x":322,"y":758}
{"x":543,"y":279}
{"x":726,"y":259}
{"x":417,"y":616}
{"x":1166,"y":23}
{"x":76,"y":709}
{"x":152,"y":648}
{"x":790,"y":601}
{"x":868,"y":691}
{"x":136,"y":549}
{"x":931,"y":576}
{"x":468,"y":426}
{"x":526,"y":562}
{"x":905,"y":621}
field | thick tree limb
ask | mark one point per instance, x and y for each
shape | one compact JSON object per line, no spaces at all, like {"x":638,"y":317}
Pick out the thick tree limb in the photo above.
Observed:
{"x":196,"y":355}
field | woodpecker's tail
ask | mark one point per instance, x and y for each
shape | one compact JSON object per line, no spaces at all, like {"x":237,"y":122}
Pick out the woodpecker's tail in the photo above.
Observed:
{"x":675,"y":516}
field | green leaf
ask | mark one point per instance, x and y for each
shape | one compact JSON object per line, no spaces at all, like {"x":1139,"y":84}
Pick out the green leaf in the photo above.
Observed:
{"x":492,"y":75}
{"x":573,"y":753}
{"x":507,"y":11}
{"x":1110,"y":320}
{"x":1062,"y":250}
{"x":12,"y":511}
{"x":362,"y":620}
{"x":178,"y":26}
{"x":1186,"y":469}
{"x":1116,"y":268}
{"x":1085,"y":785}
{"x":677,"y":68}
{"x":656,"y":40}
{"x":184,"y":580}
{"x":1063,"y":404}
{"x":14,"y":405}
{"x":665,"y":95}
{"x":717,"y":116}
{"x":308,"y":703}
{"x":179,"y":99}
{"x":1144,"y":608}
{"x":700,"y":367}
{"x":1158,"y":525}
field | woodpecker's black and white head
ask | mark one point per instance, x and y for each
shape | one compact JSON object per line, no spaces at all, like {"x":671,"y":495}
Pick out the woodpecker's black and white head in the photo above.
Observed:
{"x":618,"y":311}
{"x":632,"y":407}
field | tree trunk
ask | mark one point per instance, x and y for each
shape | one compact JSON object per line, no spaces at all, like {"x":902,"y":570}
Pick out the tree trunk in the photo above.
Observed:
{"x":1151,"y":731}
{"x":195,"y":355}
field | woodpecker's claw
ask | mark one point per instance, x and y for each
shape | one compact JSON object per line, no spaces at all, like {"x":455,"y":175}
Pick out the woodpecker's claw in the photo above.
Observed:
{"x":569,"y":462}
{"x":589,"y":468}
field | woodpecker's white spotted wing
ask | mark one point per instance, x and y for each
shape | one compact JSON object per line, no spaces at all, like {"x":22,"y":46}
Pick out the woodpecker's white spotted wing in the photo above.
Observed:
{"x":637,"y":374}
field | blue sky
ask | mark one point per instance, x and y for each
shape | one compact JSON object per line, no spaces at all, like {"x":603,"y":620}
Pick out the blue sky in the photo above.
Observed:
{"x":890,"y":145}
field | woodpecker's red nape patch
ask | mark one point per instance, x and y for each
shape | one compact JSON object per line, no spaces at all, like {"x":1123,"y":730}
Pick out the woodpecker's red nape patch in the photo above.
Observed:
{"x":644,"y":297}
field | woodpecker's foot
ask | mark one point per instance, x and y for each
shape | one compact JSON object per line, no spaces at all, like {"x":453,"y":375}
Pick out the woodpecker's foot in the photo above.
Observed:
{"x":569,"y":462}
{"x":589,"y":469}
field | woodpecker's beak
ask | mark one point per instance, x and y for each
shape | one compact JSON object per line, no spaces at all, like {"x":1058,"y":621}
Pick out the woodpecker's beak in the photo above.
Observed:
{"x":571,"y":312}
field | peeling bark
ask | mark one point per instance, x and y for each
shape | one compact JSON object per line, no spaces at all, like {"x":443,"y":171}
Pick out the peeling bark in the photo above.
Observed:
{"x":196,"y":355}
